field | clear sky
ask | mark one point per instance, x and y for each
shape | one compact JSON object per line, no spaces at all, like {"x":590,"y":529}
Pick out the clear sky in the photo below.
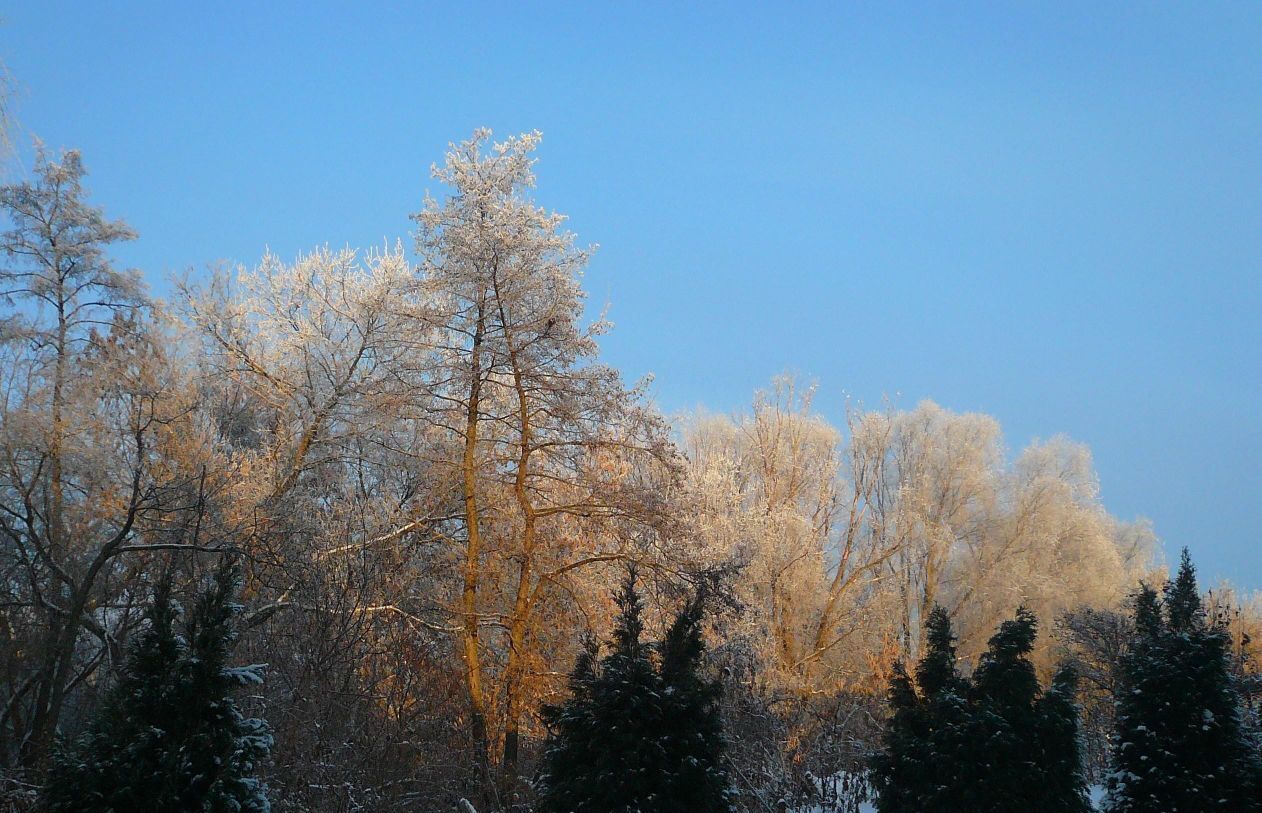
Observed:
{"x":1051,"y":213}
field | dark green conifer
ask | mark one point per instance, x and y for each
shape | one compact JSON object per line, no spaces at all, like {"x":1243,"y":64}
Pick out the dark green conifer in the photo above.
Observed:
{"x":695,"y":748}
{"x":923,"y":767}
{"x":1005,"y":749}
{"x":992,"y":743}
{"x":1063,"y":788}
{"x":635,"y":735}
{"x":168,"y":735}
{"x":576,"y":736}
{"x":1179,"y":742}
{"x":903,"y":772}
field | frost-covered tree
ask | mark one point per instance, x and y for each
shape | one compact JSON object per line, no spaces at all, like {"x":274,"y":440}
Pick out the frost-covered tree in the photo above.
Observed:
{"x":96,"y":441}
{"x":311,"y":373}
{"x":314,"y":349}
{"x":779,"y":493}
{"x":1097,"y":640}
{"x":560,"y":465}
{"x":849,"y":538}
{"x":1179,"y":743}
{"x":170,"y":736}
{"x":57,"y":264}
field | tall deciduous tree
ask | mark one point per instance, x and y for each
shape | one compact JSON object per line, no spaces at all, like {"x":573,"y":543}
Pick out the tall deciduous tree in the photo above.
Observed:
{"x":849,"y":538}
{"x":91,"y":404}
{"x":311,"y":373}
{"x":58,"y":264}
{"x":561,"y":465}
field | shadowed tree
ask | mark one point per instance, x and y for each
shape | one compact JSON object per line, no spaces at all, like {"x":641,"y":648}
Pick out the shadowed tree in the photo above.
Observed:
{"x":169,"y":735}
{"x":87,"y":398}
{"x":1179,"y":742}
{"x":993,"y":742}
{"x":636,"y":735}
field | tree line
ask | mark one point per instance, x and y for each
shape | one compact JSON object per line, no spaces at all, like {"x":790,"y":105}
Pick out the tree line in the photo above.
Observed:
{"x":642,"y":727}
{"x":431,"y":483}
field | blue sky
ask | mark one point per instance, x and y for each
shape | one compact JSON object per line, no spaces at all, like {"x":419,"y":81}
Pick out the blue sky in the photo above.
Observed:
{"x":1047,"y":212}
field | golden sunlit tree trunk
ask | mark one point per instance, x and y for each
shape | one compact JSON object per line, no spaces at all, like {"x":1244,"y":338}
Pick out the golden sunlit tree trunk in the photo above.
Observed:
{"x":541,"y":421}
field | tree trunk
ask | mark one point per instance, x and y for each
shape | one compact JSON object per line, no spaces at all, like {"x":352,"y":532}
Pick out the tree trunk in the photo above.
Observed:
{"x":473,"y":551}
{"x":48,"y":695}
{"x":514,"y":672}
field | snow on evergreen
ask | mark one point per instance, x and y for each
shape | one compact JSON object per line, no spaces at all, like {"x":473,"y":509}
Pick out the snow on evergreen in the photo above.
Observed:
{"x":1180,"y":736}
{"x":169,"y":736}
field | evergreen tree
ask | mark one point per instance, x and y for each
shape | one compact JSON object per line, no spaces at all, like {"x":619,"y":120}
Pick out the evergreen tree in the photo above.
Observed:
{"x":922,"y":769}
{"x":903,"y":771}
{"x":1025,"y":751}
{"x":1064,"y":786}
{"x":945,"y":694}
{"x":576,"y":735}
{"x":636,"y":736}
{"x":937,"y":674}
{"x":1004,"y":747}
{"x":695,"y":748}
{"x":992,"y":743}
{"x":168,"y":735}
{"x":1179,"y":742}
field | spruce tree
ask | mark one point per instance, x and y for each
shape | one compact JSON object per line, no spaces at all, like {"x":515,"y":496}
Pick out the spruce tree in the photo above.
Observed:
{"x":1064,"y":786}
{"x":903,"y":771}
{"x":606,"y":754}
{"x":576,"y":736}
{"x":1179,"y":742}
{"x":695,"y":748}
{"x":922,"y":769}
{"x":1025,"y":751}
{"x":636,"y":735}
{"x":168,"y":735}
{"x":951,"y":720}
{"x":1004,"y":748}
{"x":992,"y":743}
